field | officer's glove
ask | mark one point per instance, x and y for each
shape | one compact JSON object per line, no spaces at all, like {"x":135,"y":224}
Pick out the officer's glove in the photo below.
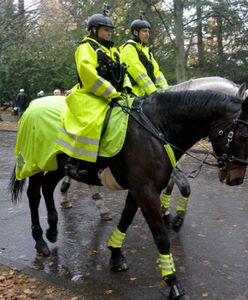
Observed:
{"x":114,"y":102}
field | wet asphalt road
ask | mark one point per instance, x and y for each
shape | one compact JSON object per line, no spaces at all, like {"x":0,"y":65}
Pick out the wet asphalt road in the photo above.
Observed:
{"x":210,"y":252}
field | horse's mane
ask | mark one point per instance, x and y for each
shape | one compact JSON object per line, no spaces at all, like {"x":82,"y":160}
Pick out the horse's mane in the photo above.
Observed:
{"x":196,"y":104}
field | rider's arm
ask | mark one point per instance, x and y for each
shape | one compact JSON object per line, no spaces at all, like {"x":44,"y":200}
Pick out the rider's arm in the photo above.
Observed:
{"x":135,"y":68}
{"x":161,"y":82}
{"x":86,"y":60}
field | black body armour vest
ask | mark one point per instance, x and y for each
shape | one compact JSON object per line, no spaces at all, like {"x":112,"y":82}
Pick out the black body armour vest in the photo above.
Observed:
{"x":112,"y":71}
{"x":147,"y":63}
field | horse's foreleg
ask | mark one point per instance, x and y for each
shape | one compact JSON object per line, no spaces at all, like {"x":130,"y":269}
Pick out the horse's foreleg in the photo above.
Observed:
{"x":165,"y":201}
{"x":33,"y":193}
{"x":182,"y":204}
{"x":151,"y":210}
{"x":118,"y":261}
{"x":50,"y":180}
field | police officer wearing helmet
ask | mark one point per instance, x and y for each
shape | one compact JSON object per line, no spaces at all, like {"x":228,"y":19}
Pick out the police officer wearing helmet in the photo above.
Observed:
{"x":141,"y":65}
{"x":101,"y":78}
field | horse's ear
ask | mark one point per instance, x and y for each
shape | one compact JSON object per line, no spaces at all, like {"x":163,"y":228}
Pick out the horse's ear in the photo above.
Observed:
{"x":242,"y":90}
{"x":245,"y":106}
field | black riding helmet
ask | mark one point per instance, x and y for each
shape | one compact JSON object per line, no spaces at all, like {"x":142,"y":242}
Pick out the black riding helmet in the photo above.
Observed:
{"x":98,"y":20}
{"x":139,"y":24}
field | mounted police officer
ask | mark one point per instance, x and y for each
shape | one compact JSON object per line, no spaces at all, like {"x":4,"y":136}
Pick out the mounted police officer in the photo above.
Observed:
{"x":101,"y":80}
{"x":142,"y":68}
{"x":146,"y":77}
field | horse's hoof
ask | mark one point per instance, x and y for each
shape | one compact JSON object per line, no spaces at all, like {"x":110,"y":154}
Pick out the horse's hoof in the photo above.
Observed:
{"x":177,"y":223}
{"x":64,"y":187}
{"x":118,"y":264}
{"x":51,"y":235}
{"x":106,"y":216}
{"x":176,"y":292}
{"x":42,"y":248}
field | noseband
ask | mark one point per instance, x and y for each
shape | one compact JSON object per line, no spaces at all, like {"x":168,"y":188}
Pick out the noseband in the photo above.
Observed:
{"x":227,"y":155}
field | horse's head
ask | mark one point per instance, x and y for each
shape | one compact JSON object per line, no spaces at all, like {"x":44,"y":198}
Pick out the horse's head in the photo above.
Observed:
{"x":230,"y":144}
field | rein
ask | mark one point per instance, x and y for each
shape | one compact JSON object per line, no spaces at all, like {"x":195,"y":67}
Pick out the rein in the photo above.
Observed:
{"x":221,"y":160}
{"x":161,"y":137}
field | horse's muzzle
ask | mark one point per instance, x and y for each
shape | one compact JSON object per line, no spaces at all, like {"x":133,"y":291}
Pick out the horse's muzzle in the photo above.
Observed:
{"x":233,"y":176}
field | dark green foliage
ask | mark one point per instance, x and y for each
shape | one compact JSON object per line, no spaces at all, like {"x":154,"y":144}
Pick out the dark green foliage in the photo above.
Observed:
{"x":37,"y":45}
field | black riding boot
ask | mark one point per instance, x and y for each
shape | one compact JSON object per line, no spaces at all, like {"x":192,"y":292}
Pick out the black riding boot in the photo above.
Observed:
{"x":74,"y":168}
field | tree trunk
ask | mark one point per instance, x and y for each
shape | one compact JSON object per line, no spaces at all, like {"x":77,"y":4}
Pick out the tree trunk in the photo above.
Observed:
{"x":200,"y":46}
{"x":21,"y":11}
{"x":180,"y":52}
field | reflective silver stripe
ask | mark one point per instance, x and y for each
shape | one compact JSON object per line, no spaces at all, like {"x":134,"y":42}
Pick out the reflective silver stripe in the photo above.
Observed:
{"x":97,"y":84}
{"x":163,"y":84}
{"x":141,"y":77}
{"x":149,"y":82}
{"x":76,"y":150}
{"x":80,"y":138}
{"x":108,"y":91}
{"x":159,"y":78}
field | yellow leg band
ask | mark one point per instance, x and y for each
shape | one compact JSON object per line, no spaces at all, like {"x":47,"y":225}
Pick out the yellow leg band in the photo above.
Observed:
{"x":166,"y":264}
{"x":182,"y":204}
{"x":116,"y":239}
{"x":165,"y":200}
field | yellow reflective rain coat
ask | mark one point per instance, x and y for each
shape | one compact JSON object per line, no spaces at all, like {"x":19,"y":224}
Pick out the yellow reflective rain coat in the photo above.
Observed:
{"x":88,"y":103}
{"x":143,"y":83}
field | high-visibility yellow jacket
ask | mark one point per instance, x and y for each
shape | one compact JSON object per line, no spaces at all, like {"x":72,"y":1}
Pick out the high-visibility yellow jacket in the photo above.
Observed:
{"x":87,"y":104}
{"x":143,"y":83}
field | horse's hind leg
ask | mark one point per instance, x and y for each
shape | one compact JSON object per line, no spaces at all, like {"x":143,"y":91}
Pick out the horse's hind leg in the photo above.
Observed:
{"x":33,"y":193}
{"x":118,"y":261}
{"x":50,"y":180}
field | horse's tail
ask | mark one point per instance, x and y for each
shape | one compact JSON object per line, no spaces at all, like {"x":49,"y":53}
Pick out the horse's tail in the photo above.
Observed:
{"x":15,"y":187}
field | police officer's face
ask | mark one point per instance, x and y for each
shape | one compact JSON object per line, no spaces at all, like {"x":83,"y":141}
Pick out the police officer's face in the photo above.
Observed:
{"x":105,"y":33}
{"x":144,"y":35}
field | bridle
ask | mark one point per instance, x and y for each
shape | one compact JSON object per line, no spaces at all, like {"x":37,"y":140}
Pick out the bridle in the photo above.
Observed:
{"x":227,"y":155}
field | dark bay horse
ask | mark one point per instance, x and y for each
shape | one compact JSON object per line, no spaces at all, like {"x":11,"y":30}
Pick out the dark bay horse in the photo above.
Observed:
{"x":144,"y":168}
{"x":213,"y":83}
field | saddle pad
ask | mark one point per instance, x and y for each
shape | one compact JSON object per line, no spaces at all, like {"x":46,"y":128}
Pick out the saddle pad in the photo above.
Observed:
{"x":38,"y":129}
{"x":114,"y":136}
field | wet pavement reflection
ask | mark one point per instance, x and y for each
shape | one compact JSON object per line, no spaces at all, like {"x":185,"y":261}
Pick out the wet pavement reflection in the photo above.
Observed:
{"x":210,"y":252}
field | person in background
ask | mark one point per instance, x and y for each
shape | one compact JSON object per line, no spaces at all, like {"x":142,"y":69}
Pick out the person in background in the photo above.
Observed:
{"x":142,"y":67}
{"x":57,"y":92}
{"x":40,"y":94}
{"x":21,"y":102}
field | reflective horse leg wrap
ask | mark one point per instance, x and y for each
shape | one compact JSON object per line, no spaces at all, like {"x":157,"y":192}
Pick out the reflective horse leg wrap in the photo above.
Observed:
{"x":116,"y":239}
{"x":166,"y":264}
{"x":117,"y":261}
{"x":165,"y":200}
{"x":182,"y":204}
